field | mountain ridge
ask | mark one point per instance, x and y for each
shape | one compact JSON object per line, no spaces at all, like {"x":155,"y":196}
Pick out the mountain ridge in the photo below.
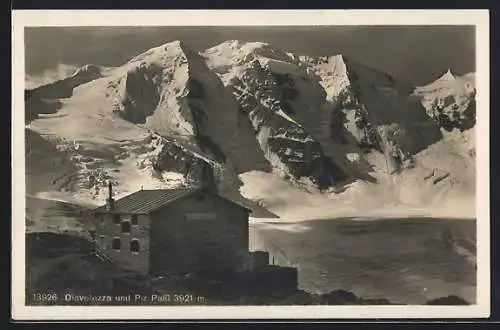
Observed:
{"x":323,"y":125}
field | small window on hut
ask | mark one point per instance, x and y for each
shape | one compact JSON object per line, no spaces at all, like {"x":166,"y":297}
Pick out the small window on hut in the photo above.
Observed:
{"x":117,"y":244}
{"x":134,"y":245}
{"x":116,"y":218}
{"x":125,"y":226}
{"x":133,"y":219}
{"x":102,"y":242}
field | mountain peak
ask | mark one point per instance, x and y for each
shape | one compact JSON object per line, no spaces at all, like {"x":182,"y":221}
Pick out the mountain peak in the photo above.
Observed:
{"x":235,"y":44}
{"x":88,"y":69}
{"x":162,"y":53}
{"x":448,"y":75}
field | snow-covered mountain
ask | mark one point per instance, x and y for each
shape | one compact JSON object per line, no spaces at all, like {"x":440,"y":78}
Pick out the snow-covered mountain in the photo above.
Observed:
{"x":284,"y":131}
{"x":450,"y":100}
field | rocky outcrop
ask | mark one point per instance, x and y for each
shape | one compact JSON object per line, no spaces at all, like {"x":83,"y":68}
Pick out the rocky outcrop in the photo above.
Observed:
{"x":453,"y":116}
{"x":138,"y":93}
{"x":265,"y":97}
{"x":174,"y":158}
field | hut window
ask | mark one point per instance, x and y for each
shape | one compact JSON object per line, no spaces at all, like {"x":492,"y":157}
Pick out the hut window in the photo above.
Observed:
{"x":101,"y":219}
{"x":133,"y":219}
{"x":116,"y":218}
{"x":117,"y":244}
{"x":134,"y":245}
{"x":125,"y":226}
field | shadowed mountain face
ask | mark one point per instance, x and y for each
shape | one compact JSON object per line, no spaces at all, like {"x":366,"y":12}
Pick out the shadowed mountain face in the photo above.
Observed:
{"x":44,"y":99}
{"x":319,"y":123}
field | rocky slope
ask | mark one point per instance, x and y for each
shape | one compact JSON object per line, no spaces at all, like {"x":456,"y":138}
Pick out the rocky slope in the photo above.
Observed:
{"x":378,"y":112}
{"x":331,"y":126}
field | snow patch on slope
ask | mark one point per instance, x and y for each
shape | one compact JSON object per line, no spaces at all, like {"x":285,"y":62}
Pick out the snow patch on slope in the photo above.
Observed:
{"x":272,"y":89}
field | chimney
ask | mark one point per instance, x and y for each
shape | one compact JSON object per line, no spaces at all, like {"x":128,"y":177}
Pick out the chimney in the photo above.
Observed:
{"x":208,"y":179}
{"x":110,"y":202}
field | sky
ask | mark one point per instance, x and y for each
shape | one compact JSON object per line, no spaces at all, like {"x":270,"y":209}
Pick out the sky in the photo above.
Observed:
{"x":414,"y":54}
